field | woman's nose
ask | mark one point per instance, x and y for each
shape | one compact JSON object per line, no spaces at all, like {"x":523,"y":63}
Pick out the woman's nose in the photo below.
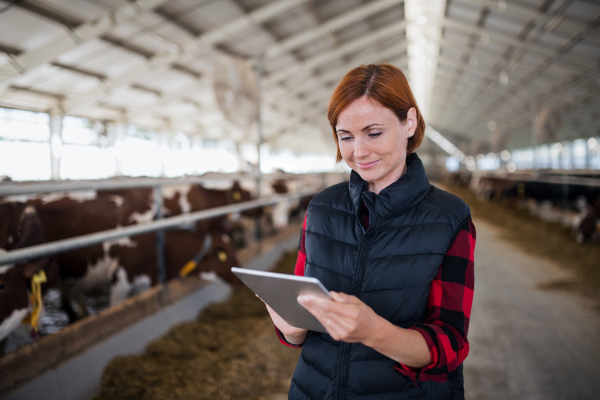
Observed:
{"x":361,"y":150}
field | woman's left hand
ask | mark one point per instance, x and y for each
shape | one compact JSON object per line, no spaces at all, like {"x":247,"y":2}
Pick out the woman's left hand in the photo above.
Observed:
{"x":345,"y":317}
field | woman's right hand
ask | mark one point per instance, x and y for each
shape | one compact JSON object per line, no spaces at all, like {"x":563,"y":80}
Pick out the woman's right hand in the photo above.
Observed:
{"x":292,"y":334}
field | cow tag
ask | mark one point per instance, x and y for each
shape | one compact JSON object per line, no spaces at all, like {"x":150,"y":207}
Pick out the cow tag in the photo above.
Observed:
{"x":187,"y":268}
{"x":237,"y":196}
{"x":222,"y":256}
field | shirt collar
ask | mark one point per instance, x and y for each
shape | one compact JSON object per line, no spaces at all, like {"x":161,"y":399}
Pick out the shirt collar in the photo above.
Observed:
{"x":397,"y":198}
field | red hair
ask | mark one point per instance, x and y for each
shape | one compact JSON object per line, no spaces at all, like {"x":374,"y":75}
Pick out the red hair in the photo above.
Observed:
{"x":384,"y":84}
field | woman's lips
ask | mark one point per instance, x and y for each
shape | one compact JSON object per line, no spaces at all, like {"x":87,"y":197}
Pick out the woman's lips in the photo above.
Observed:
{"x":367,"y":165}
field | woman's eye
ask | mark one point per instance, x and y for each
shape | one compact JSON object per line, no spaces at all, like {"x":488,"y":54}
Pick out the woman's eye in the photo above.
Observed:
{"x":374,"y":134}
{"x":344,"y":138}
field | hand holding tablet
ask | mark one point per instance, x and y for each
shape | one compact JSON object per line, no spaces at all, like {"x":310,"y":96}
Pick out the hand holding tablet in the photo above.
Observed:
{"x":280,"y":292}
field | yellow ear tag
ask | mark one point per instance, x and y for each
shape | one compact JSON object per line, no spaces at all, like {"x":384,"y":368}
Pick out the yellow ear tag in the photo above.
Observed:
{"x":36,"y":299}
{"x":237,"y":196}
{"x":222,"y":256}
{"x":187,"y":268}
{"x":40,"y":277}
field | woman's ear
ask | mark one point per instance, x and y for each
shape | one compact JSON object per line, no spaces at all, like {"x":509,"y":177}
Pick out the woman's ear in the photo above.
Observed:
{"x":411,"y":121}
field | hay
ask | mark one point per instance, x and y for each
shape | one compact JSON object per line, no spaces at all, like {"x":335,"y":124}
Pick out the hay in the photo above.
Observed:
{"x":230,"y":352}
{"x":543,"y":239}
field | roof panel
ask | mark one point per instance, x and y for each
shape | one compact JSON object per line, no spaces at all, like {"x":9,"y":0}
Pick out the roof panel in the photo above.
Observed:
{"x":584,"y":10}
{"x":85,"y":53}
{"x":113,"y":61}
{"x":464,"y":12}
{"x":39,"y":31}
{"x":83,"y":10}
{"x":298,"y":20}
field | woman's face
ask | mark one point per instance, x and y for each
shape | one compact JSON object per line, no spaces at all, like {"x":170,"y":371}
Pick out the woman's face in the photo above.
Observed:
{"x":373,"y":141}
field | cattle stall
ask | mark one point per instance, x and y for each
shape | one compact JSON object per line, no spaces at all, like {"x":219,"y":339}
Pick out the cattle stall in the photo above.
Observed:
{"x":38,"y":366}
{"x":571,"y":198}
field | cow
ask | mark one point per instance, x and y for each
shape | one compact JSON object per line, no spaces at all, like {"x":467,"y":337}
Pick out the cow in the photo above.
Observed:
{"x":130,"y":265}
{"x":588,"y":227}
{"x":20,"y":299}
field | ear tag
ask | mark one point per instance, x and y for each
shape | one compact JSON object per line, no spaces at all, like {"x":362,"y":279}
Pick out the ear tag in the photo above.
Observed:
{"x":40,"y":277}
{"x":187,"y":268}
{"x":237,"y":196}
{"x":222,"y":256}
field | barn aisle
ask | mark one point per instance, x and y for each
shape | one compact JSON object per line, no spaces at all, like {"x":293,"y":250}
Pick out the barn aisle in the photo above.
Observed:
{"x":529,"y":339}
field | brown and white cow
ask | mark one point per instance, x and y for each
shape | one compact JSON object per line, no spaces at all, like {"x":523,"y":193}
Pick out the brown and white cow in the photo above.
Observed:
{"x":20,"y":227}
{"x":130,"y":265}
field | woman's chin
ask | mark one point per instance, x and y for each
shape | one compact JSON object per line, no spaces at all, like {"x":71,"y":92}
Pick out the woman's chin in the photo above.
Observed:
{"x":368,"y":175}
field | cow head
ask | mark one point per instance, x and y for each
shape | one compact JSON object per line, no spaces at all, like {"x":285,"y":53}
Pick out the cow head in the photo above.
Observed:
{"x":20,"y":227}
{"x":238,"y":195}
{"x":280,"y":186}
{"x":219,"y":260}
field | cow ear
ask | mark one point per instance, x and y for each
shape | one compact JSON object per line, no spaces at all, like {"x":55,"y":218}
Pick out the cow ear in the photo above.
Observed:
{"x":30,"y":228}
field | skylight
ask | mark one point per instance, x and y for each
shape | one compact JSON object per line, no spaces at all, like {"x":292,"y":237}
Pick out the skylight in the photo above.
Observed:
{"x":423,"y":31}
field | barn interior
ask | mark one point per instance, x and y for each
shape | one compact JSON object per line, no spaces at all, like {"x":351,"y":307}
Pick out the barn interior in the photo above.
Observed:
{"x":101,"y":97}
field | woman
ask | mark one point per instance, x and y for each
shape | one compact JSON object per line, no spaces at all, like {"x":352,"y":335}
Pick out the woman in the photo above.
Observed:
{"x":396,"y":253}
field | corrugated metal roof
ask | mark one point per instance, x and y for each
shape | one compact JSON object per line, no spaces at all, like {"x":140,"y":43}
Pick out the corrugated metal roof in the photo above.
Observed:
{"x":151,"y":61}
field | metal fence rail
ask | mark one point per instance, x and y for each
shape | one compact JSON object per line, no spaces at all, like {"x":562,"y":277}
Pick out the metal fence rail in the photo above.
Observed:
{"x":60,"y":246}
{"x":27,"y":188}
{"x":558,"y":179}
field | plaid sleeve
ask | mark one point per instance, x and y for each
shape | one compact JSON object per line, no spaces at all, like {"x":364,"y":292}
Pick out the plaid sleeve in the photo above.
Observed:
{"x":301,"y":260}
{"x":448,"y":310}
{"x":298,"y":270}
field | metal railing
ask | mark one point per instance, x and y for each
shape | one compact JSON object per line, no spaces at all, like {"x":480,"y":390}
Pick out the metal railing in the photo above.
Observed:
{"x":558,"y":179}
{"x":61,"y":246}
{"x":159,"y":225}
{"x":28,"y":188}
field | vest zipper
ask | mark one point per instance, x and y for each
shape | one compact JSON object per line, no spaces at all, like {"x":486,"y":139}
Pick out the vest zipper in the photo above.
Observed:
{"x":357,"y":278}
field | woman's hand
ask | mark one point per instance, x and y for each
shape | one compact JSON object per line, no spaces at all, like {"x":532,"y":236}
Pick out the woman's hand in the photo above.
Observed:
{"x":346,"y":318}
{"x":292,"y":334}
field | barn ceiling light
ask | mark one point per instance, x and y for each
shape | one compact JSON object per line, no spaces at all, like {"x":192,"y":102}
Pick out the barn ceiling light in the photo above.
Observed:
{"x":444,"y":144}
{"x":423,"y":31}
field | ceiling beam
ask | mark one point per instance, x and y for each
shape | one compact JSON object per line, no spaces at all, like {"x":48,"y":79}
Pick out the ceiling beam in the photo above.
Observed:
{"x":309,"y":65}
{"x":510,"y":40}
{"x":546,"y":21}
{"x":552,"y":57}
{"x":380,"y":52}
{"x":29,"y":60}
{"x":334,"y":24}
{"x":164,"y":59}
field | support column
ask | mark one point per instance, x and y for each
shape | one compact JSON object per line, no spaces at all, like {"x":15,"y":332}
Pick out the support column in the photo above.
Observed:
{"x":259,"y":72}
{"x":164,"y":146}
{"x":117,"y":142}
{"x":240,"y":157}
{"x":534,"y":139}
{"x":56,"y":143}
{"x":196,"y":149}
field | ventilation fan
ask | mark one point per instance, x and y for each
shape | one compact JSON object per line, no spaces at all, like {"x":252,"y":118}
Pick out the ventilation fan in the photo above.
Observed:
{"x":236,"y":91}
{"x":547,"y":125}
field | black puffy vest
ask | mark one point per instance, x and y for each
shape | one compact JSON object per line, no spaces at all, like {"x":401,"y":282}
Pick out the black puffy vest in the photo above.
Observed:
{"x":390,"y":267}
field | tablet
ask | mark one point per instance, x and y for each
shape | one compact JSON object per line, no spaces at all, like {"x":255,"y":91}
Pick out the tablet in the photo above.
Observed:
{"x":280,"y":291}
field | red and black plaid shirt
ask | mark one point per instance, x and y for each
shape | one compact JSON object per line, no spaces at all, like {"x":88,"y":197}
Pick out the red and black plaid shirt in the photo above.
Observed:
{"x":448,"y":308}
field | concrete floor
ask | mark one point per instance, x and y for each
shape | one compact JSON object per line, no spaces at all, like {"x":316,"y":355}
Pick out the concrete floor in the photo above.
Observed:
{"x":526,"y":342}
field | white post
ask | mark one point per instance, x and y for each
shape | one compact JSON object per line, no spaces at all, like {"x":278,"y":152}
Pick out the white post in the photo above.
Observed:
{"x":117,"y":142}
{"x":240,"y":157}
{"x":196,"y":150}
{"x":56,"y":143}
{"x":259,"y":72}
{"x":164,"y":146}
